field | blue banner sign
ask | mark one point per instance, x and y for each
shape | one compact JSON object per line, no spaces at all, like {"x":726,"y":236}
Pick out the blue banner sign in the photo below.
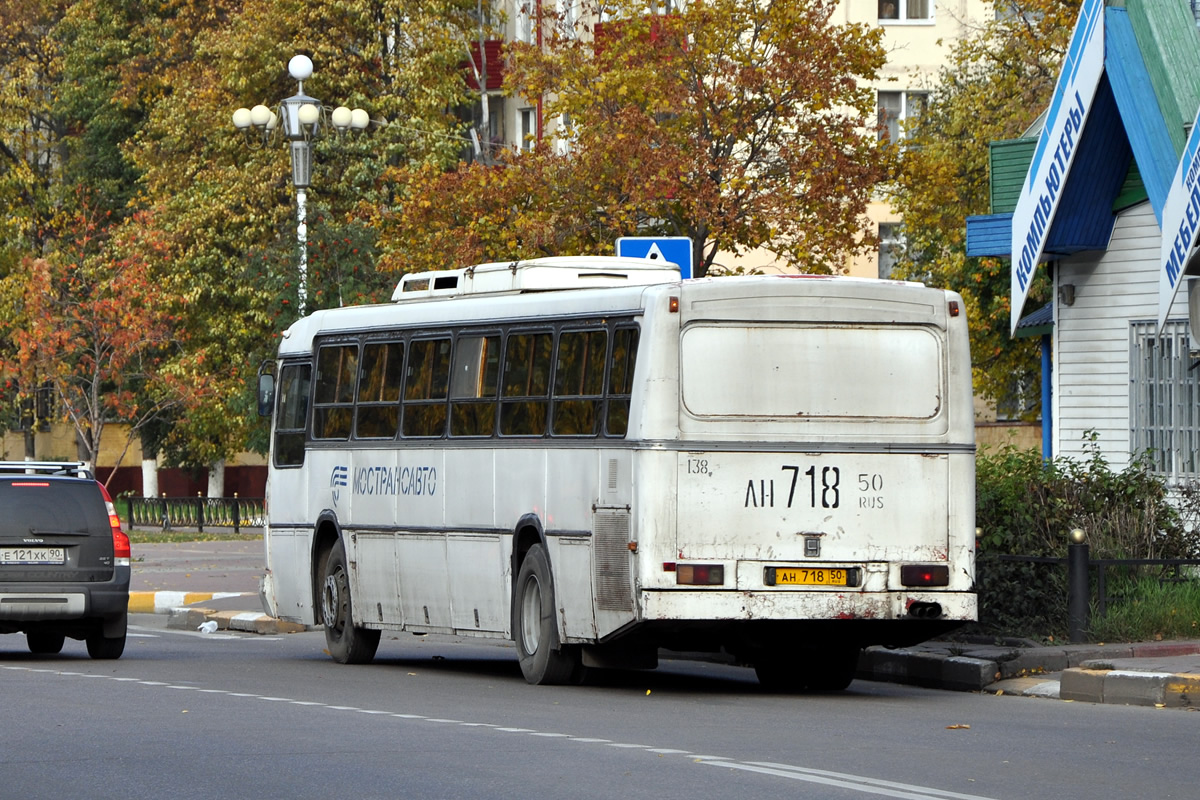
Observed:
{"x":1180,"y":221}
{"x":1056,"y":148}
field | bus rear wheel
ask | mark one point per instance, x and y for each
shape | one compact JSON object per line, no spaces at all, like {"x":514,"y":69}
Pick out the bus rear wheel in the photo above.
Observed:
{"x":544,"y":659}
{"x":346,"y":643}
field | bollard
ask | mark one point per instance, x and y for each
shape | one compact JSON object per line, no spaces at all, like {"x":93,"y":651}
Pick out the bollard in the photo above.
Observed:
{"x":1078,"y":596}
{"x":237,"y":517}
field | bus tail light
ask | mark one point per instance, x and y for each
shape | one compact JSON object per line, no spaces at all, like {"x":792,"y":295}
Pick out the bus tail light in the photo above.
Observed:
{"x":699,"y":574}
{"x":121,"y":549}
{"x":925,"y":575}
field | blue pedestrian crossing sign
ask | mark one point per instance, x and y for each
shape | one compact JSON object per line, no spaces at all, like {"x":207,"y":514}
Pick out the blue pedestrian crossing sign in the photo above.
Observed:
{"x":675,"y":249}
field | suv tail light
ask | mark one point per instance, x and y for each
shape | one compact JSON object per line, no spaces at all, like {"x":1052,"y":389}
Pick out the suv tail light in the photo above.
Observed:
{"x":121,"y":549}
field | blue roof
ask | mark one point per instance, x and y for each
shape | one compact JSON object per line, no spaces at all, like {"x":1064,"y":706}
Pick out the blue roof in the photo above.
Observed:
{"x":1141,"y":114}
{"x":1125,"y":121}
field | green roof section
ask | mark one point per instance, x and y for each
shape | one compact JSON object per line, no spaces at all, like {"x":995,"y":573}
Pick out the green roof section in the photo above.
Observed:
{"x":1133,"y":191}
{"x":1170,"y":46}
{"x":1008,"y":162}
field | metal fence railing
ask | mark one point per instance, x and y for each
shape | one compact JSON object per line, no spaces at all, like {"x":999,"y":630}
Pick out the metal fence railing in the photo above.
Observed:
{"x":196,"y":512}
{"x":1100,"y":567}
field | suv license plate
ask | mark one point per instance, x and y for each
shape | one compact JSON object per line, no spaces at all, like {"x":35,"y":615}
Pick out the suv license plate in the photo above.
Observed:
{"x":32,"y":555}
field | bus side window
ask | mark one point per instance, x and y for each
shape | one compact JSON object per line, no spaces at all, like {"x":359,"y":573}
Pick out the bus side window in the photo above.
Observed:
{"x":620,"y":381}
{"x":579,"y":383}
{"x":378,"y":410}
{"x":333,"y":401}
{"x":291,"y":415}
{"x":525,"y":388}
{"x":473,"y":386}
{"x":425,"y":387}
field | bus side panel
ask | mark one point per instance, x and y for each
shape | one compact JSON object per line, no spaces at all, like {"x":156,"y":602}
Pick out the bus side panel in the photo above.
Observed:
{"x":478,"y":595}
{"x":287,"y":587}
{"x":376,"y":588}
{"x":572,"y":560}
{"x":424,"y":584}
{"x":572,"y":494}
{"x":477,"y":546}
{"x":520,"y":487}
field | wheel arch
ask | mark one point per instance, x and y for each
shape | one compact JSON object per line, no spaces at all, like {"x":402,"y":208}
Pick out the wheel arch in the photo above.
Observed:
{"x":327,"y":532}
{"x":526,"y":533}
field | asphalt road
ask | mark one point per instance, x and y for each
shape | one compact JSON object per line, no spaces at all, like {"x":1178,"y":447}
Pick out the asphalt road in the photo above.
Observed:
{"x":223,"y":716}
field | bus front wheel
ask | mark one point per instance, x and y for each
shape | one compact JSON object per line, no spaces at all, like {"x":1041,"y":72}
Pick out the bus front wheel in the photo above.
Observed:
{"x":346,"y":643}
{"x":544,"y":660}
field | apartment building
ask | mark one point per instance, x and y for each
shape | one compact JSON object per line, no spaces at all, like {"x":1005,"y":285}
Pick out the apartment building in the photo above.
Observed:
{"x":918,"y":36}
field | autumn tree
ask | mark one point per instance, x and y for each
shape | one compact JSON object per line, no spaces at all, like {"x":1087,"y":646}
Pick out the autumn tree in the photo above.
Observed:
{"x":736,"y":123}
{"x":92,"y":326}
{"x":59,"y":131}
{"x":224,"y":204}
{"x":997,"y":82}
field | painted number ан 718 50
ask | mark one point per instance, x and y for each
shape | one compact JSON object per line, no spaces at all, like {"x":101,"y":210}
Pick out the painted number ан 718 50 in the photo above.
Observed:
{"x":818,"y":486}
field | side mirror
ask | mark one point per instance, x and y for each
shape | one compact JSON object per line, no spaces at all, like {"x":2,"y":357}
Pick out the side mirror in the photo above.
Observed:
{"x":266,"y":392}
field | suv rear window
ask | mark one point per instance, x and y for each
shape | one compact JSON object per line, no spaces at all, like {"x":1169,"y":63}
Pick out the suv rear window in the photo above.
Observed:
{"x":36,"y":504}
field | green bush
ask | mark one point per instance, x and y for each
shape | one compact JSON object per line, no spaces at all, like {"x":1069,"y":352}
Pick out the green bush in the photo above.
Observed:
{"x":1026,"y":506}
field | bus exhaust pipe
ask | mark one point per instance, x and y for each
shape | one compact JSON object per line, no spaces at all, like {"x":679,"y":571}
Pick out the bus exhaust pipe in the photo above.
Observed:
{"x":925,"y":610}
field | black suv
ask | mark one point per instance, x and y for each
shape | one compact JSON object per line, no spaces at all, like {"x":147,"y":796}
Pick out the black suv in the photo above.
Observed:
{"x":64,"y":560}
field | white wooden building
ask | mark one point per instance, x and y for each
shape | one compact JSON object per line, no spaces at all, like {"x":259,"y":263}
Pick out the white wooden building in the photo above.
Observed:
{"x":1095,"y":189}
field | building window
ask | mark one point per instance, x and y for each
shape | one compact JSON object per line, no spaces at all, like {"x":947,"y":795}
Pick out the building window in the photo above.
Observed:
{"x":524,"y":22}
{"x":896,"y":109}
{"x":528,"y":129}
{"x":1164,"y":402}
{"x":891,"y":243}
{"x":568,"y":18}
{"x":905,"y":11}
{"x":564,"y":135}
{"x":655,"y":7}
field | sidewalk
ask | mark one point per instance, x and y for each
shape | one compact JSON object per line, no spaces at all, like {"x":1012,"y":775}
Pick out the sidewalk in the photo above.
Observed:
{"x":1165,"y":674}
{"x":218,"y":581}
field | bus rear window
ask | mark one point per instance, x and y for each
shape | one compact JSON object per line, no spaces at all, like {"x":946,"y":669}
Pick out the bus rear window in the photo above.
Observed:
{"x":807,"y":371}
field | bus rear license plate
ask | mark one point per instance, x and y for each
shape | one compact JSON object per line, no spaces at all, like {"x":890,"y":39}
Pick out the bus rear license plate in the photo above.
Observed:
{"x":32,"y":555}
{"x":809,"y":576}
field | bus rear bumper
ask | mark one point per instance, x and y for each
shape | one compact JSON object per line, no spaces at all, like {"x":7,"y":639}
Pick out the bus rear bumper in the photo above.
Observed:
{"x":808,"y":605}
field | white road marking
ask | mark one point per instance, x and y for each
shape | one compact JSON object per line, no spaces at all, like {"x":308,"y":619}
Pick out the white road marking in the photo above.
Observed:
{"x":846,"y":781}
{"x":860,"y":783}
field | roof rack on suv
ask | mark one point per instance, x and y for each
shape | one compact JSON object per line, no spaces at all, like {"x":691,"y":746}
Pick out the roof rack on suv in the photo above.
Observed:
{"x":76,"y":468}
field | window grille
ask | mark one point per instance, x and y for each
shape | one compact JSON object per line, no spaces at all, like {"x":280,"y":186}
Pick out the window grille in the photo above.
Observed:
{"x":1164,"y":401}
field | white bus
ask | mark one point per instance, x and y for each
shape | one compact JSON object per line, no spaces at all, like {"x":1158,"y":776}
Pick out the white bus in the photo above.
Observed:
{"x":600,"y":461}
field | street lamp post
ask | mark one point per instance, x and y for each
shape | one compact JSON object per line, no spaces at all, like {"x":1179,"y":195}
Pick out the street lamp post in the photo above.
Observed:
{"x":300,"y":119}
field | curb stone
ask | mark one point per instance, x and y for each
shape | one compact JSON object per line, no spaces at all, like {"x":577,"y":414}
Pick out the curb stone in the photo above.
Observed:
{"x":162,"y":602}
{"x":1127,"y":687}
